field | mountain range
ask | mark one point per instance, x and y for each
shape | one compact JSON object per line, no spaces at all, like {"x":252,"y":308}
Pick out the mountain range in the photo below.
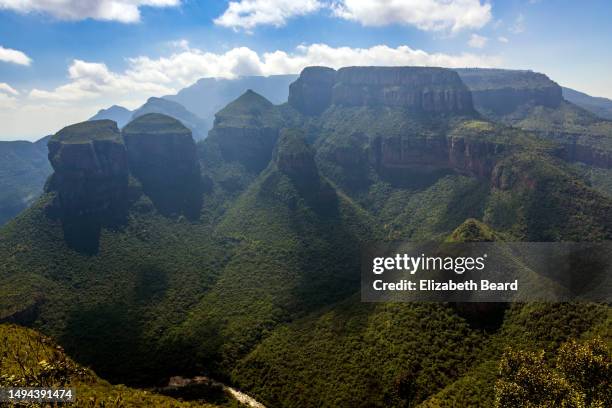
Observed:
{"x":150,"y":255}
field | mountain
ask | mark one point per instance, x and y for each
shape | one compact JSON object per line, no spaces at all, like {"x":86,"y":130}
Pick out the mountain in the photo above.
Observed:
{"x":531,"y":101}
{"x":24,"y":168}
{"x":197,"y":125}
{"x":601,"y":107}
{"x":116,"y":113}
{"x":151,"y":256}
{"x":208,"y":95}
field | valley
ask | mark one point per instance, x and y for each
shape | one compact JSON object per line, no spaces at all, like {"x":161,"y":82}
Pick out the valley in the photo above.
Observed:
{"x":237,"y":257}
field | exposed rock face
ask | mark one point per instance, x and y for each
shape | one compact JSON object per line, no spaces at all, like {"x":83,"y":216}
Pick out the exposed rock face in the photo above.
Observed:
{"x":501,"y":91}
{"x":91,"y":171}
{"x":432,"y":90}
{"x":311,"y":93}
{"x":586,"y":154}
{"x":246,"y":131}
{"x":162,"y":155}
{"x":91,"y":181}
{"x":477,"y":158}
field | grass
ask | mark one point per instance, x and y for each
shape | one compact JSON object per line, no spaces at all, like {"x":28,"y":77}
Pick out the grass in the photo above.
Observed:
{"x":28,"y":359}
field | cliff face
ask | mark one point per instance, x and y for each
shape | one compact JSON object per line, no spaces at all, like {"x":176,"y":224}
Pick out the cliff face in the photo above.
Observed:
{"x":431,"y":90}
{"x":162,"y":156}
{"x":502,"y":92}
{"x":246,"y":131}
{"x":90,"y":179}
{"x":476,"y":158}
{"x":91,"y":171}
{"x":311,"y":93}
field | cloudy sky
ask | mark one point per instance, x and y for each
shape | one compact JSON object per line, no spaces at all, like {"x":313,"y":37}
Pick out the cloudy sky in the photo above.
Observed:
{"x":63,"y":60}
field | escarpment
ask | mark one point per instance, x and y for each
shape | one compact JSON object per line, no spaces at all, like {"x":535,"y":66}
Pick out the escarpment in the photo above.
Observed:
{"x":432,"y":90}
{"x":90,"y":181}
{"x":533,"y":102}
{"x":162,"y":156}
{"x":91,"y":169}
{"x":501,"y":92}
{"x":476,"y":158}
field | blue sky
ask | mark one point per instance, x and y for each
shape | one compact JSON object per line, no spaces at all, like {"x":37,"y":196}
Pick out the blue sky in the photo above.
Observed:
{"x":62,"y":61}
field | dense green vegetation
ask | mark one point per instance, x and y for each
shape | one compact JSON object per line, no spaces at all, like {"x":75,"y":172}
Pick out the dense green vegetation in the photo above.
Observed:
{"x":28,"y":359}
{"x":478,"y":79}
{"x":260,"y":288}
{"x":580,"y":377}
{"x":154,"y":123}
{"x":85,"y":132}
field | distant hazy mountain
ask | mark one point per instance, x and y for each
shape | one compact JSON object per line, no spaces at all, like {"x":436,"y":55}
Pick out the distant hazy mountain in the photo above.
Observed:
{"x":117,"y":113}
{"x":198,"y":126}
{"x":532,"y":101}
{"x":209,"y":95}
{"x":601,"y":107}
{"x":23,"y":170}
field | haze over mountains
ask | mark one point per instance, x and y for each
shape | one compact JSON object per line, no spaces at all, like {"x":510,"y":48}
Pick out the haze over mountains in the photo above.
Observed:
{"x":150,"y":255}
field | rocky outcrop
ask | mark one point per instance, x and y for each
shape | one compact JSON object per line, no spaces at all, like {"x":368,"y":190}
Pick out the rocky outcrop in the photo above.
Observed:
{"x":246,"y":131}
{"x":574,"y":152}
{"x":431,"y":90}
{"x":162,"y":156}
{"x":311,"y":93}
{"x":476,"y":158}
{"x":90,"y":181}
{"x":91,"y":171}
{"x":501,"y":92}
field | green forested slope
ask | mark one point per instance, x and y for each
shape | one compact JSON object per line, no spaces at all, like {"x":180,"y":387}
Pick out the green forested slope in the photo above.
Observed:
{"x":261,"y":288}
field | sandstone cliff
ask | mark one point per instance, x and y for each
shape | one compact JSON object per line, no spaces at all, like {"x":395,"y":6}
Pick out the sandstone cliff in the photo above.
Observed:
{"x":91,"y":171}
{"x":502,"y":91}
{"x":90,"y":181}
{"x":246,"y":131}
{"x":430,"y":90}
{"x":162,"y":156}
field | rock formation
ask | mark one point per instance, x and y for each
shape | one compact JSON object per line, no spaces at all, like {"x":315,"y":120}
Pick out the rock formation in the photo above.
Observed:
{"x":246,"y":131}
{"x":501,"y":91}
{"x":162,"y":156}
{"x":90,"y":180}
{"x":430,"y":90}
{"x":91,"y":171}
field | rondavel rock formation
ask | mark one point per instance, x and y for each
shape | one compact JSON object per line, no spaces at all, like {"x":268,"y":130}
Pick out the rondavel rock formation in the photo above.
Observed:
{"x":93,"y":163}
{"x":162,"y":156}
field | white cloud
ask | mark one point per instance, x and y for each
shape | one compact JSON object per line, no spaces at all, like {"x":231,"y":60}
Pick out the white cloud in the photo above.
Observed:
{"x":477,"y":41}
{"x":247,"y":14}
{"x":125,"y":11}
{"x":502,"y":39}
{"x":7,"y":89}
{"x":14,"y":56}
{"x":92,"y":85}
{"x":429,"y":15}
